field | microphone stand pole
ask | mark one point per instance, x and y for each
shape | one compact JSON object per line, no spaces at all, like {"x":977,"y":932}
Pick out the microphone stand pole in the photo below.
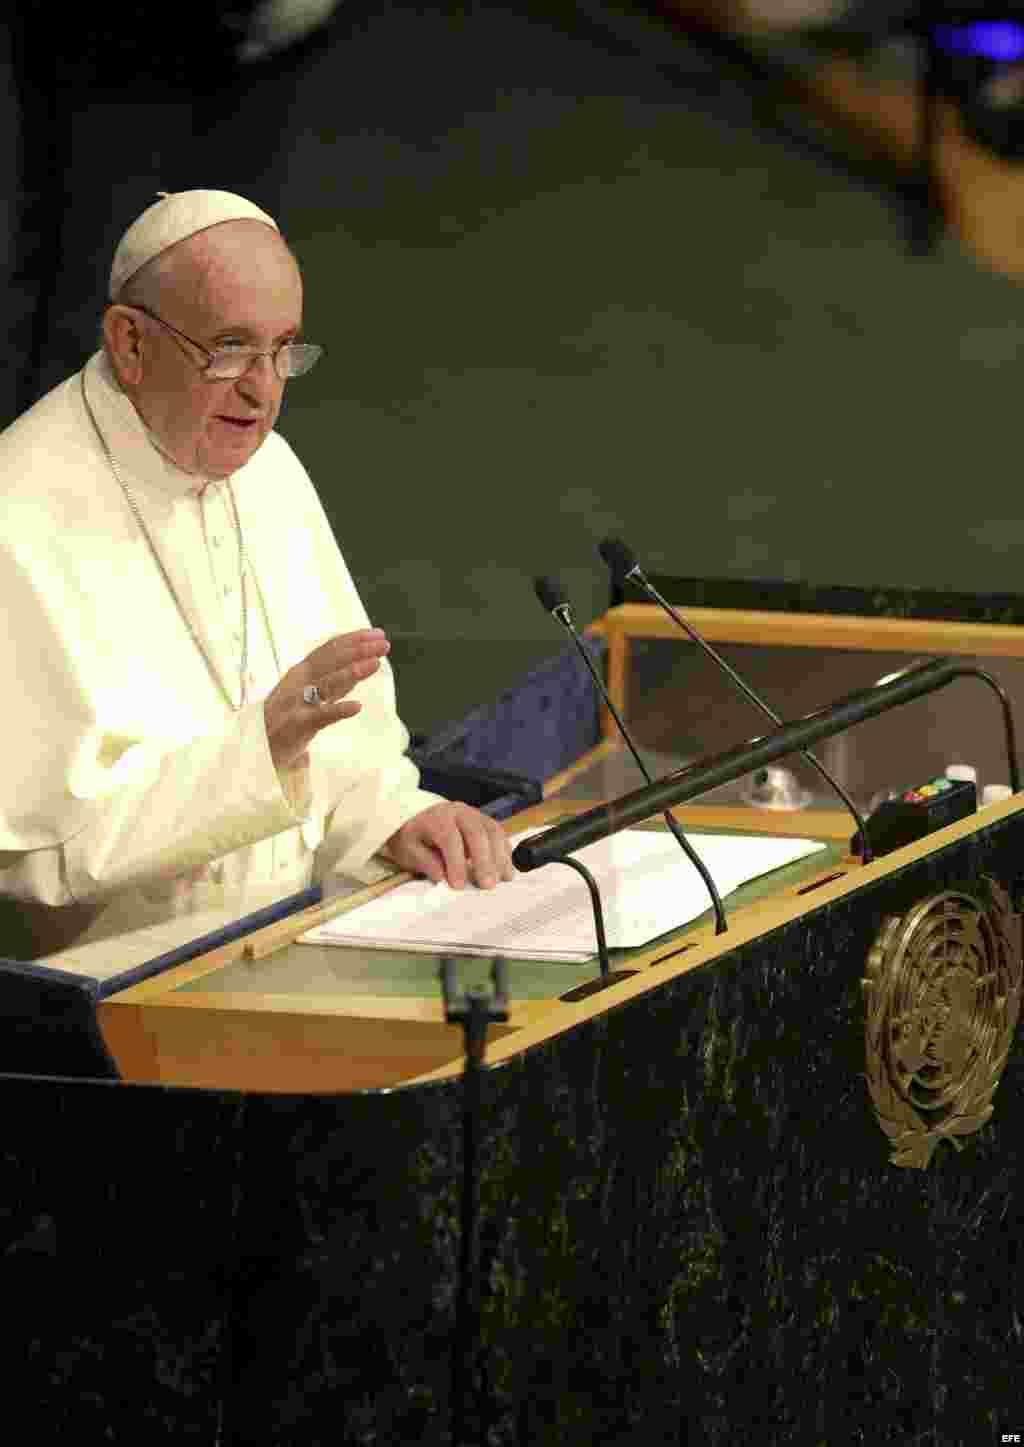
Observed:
{"x":474,"y":1011}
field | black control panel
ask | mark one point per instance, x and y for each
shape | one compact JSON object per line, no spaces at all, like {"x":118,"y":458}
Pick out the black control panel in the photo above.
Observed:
{"x":916,"y":813}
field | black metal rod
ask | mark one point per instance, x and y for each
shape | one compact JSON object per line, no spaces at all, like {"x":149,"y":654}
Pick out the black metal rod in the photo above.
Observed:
{"x":466,"y":1303}
{"x":1011,"y":737}
{"x":595,"y":900}
{"x":674,"y":829}
{"x":474,"y":1010}
{"x":723,"y":768}
{"x":765,"y":708}
{"x":702,"y":870}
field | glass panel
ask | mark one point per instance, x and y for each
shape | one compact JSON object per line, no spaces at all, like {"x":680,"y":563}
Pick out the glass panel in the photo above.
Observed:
{"x":680,"y":707}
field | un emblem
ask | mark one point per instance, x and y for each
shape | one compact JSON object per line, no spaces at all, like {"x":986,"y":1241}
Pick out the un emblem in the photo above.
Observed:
{"x":941,"y":1001}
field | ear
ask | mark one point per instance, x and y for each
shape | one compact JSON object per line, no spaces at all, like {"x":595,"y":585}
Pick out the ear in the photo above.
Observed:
{"x":122,"y":327}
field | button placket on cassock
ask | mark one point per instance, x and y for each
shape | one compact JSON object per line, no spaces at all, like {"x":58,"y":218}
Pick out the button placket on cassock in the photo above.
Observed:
{"x":223,"y":609}
{"x":189,"y":562}
{"x":221,"y":547}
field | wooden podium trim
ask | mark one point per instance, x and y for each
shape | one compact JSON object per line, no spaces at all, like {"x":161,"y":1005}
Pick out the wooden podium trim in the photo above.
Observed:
{"x":855,"y":634}
{"x":746,"y":923}
{"x":819,"y":630}
{"x":312,"y":1043}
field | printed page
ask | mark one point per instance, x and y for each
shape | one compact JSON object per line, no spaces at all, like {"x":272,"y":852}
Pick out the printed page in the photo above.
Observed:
{"x":648,"y":887}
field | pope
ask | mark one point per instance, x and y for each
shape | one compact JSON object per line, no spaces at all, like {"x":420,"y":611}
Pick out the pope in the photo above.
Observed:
{"x":199,"y":710}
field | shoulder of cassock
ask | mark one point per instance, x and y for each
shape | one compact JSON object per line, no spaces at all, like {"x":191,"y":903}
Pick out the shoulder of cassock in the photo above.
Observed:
{"x":81,"y":594}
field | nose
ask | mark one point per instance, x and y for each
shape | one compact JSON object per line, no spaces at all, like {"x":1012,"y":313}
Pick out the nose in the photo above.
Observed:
{"x":259,"y":384}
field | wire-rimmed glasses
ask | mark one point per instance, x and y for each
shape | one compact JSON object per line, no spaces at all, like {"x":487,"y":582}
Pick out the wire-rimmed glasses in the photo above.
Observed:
{"x":227,"y":364}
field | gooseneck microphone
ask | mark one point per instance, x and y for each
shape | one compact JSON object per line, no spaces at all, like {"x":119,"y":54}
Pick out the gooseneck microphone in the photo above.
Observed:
{"x":623,"y":565}
{"x":706,"y":774}
{"x":552,"y":597}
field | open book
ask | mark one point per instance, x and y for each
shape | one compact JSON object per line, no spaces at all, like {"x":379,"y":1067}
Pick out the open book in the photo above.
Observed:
{"x":648,"y":887}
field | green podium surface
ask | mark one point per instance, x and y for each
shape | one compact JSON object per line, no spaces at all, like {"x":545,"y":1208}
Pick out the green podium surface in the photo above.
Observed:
{"x":344,"y":970}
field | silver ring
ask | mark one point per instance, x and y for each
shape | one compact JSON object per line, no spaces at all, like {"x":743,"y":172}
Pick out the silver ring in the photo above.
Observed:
{"x":311,"y":694}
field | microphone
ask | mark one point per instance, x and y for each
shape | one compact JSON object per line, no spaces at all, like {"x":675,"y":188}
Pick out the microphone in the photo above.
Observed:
{"x":623,"y":565}
{"x":552,"y":597}
{"x":696,"y":779}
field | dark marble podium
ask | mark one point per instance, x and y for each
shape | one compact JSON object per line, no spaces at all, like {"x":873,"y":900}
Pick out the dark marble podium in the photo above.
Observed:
{"x":691,"y":1230}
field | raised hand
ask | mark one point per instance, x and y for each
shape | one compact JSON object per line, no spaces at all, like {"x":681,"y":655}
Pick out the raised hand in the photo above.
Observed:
{"x":335,"y":668}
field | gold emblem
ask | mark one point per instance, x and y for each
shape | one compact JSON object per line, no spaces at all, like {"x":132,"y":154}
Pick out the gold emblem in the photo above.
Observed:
{"x":941,"y":997}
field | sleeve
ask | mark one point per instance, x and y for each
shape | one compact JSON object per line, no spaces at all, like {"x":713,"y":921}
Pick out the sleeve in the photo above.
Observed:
{"x":364,"y":785}
{"x":369,"y":787}
{"x":158,"y":815}
{"x":366,"y":816}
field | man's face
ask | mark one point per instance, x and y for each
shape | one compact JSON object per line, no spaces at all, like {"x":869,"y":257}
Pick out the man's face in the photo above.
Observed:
{"x":234,"y":284}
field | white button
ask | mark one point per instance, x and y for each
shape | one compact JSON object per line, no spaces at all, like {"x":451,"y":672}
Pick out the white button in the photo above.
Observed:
{"x":995,"y":793}
{"x":226,"y":592}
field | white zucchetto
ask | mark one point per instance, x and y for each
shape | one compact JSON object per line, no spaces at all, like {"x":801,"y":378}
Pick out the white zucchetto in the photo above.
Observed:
{"x":177,"y":215}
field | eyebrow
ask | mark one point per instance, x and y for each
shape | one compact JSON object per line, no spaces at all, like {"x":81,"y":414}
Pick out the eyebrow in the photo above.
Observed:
{"x":249,"y":332}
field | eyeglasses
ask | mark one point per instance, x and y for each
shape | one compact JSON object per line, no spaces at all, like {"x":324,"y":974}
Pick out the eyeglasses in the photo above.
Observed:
{"x":227,"y":364}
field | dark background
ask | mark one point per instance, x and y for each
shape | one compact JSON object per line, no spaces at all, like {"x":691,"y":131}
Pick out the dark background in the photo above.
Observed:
{"x":567,"y":285}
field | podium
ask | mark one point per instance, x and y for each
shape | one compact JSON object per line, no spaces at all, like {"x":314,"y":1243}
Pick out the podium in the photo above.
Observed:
{"x":707,"y":1211}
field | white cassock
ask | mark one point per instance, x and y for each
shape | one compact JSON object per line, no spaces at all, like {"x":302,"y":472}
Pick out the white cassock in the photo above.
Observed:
{"x":132,"y":790}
